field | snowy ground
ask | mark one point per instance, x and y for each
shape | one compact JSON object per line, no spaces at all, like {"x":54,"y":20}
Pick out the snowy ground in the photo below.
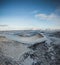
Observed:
{"x":41,"y":52}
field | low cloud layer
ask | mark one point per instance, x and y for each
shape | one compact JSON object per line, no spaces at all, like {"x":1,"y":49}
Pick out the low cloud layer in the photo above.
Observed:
{"x":3,"y":25}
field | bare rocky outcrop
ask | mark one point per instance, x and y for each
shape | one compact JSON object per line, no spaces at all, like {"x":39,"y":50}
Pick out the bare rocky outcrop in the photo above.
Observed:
{"x":43,"y":54}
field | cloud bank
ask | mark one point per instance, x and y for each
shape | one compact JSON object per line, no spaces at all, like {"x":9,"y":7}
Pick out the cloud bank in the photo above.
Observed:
{"x":55,"y":16}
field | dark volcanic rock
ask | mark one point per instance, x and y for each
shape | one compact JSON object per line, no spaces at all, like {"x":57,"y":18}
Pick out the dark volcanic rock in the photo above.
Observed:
{"x":57,"y":54}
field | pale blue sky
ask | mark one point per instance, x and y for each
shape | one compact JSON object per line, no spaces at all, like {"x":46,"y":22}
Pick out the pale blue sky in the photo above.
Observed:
{"x":30,"y":14}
